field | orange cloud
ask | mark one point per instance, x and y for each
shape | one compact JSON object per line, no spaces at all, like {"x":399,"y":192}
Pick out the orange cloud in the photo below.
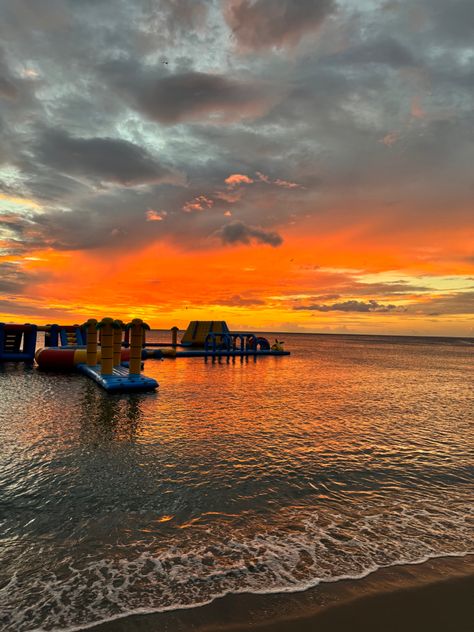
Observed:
{"x":155,"y":216}
{"x":199,"y":203}
{"x":236,"y":179}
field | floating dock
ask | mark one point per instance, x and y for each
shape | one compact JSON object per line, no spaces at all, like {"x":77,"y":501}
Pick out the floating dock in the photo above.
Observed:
{"x":120,"y":380}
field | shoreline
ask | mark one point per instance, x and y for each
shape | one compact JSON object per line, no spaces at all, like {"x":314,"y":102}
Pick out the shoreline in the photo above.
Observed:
{"x":434,"y":595}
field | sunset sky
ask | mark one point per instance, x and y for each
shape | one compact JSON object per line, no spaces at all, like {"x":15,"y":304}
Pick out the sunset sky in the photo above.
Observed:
{"x":283,"y":165}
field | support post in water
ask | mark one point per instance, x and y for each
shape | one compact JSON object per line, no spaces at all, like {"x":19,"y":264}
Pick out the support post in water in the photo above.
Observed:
{"x":174,"y":336}
{"x":91,"y":341}
{"x":107,"y":327}
{"x":137,"y":328}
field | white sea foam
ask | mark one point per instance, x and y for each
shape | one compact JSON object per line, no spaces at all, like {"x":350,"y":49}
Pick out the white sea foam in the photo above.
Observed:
{"x":319,"y":547}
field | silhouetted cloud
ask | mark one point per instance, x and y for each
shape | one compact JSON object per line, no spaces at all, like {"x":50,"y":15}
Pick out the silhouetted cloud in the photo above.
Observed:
{"x":351,"y":306}
{"x":109,"y":159}
{"x":240,"y":233}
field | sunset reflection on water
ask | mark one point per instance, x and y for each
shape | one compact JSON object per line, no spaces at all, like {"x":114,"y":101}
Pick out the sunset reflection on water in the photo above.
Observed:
{"x":257,"y":475}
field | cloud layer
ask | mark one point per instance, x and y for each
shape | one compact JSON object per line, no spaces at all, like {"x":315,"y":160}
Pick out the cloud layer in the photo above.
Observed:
{"x":314,"y":134}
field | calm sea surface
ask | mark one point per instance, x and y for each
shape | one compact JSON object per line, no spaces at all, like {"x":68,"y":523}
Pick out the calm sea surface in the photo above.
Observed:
{"x":257,"y":476}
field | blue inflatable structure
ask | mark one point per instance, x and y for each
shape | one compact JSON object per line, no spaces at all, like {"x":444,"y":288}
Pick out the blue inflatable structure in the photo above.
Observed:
{"x":17,"y":342}
{"x":120,"y":381}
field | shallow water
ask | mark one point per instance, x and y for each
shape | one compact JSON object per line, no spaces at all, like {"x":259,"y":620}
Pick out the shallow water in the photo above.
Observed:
{"x":268,"y":475}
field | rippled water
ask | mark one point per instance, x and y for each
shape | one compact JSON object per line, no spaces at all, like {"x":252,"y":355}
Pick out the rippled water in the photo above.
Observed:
{"x":269,"y":475}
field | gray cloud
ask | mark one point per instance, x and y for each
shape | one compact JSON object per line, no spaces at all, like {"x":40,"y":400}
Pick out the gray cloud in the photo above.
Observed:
{"x":240,"y":233}
{"x":351,"y":306}
{"x":454,"y":303}
{"x":318,"y":117}
{"x":266,"y":23}
{"x":13,"y":306}
{"x":8,"y":87}
{"x":185,"y":15}
{"x":173,"y":98}
{"x":109,"y":159}
{"x":452,"y":20}
{"x":12,"y":278}
{"x":384,"y":50}
{"x":393,"y":288}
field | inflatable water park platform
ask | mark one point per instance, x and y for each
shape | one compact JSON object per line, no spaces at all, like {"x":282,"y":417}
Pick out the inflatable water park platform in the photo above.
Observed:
{"x":213,"y":339}
{"x":112,"y":353}
{"x":93,"y":349}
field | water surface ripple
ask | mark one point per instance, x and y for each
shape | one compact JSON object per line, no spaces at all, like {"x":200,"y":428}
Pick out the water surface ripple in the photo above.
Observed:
{"x":352,"y":454}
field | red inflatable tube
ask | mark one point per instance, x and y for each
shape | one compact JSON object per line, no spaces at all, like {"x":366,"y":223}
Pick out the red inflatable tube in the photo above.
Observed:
{"x":54,"y":359}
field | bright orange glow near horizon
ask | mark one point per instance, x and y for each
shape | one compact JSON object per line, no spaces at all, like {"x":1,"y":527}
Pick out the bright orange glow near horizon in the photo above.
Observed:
{"x":308,"y":284}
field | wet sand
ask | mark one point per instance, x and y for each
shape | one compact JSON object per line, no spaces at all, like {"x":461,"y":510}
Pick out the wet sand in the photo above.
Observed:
{"x":436,"y":596}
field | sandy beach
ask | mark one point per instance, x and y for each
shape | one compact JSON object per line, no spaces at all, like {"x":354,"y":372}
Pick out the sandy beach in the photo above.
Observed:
{"x":435,"y":595}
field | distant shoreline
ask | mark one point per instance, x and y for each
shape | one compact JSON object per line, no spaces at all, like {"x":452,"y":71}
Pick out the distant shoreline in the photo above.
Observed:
{"x":435,"y":595}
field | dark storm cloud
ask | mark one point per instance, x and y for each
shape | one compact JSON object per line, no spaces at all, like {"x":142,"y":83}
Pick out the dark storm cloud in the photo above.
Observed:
{"x":263,"y":24}
{"x":109,"y":159}
{"x":351,"y":306}
{"x":173,"y":98}
{"x":240,"y":233}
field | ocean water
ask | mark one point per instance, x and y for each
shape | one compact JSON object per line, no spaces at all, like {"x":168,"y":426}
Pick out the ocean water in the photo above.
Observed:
{"x":352,"y":454}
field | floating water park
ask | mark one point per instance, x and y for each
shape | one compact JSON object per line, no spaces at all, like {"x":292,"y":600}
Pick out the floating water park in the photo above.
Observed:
{"x":112,"y":353}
